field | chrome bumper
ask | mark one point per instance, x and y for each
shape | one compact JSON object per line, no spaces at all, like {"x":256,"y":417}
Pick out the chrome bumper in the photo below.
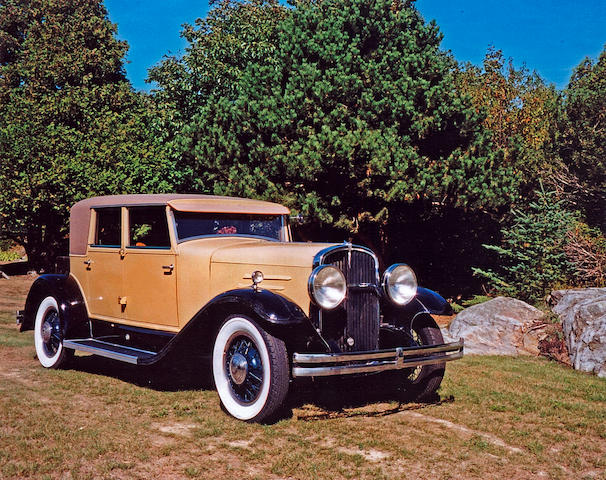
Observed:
{"x":326,"y":364}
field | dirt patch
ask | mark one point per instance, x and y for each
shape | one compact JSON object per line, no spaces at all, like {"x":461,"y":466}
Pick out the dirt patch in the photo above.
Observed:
{"x":465,"y":431}
{"x":180,"y":429}
{"x":13,"y":292}
{"x":370,"y":455}
{"x":240,"y":443}
{"x":443,"y":320}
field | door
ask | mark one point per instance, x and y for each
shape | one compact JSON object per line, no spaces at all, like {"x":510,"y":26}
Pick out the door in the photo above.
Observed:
{"x":104,"y":266}
{"x":149,"y":269}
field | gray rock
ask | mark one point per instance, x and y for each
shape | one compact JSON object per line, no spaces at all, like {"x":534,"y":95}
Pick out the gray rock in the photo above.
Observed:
{"x":501,"y":326}
{"x":583,"y":315}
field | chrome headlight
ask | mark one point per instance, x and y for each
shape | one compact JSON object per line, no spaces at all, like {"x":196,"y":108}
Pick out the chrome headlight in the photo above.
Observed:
{"x":327,"y":286}
{"x":400,"y":283}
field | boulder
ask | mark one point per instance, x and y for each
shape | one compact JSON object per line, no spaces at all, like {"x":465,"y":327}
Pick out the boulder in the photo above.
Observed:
{"x":501,"y":326}
{"x":583,"y":315}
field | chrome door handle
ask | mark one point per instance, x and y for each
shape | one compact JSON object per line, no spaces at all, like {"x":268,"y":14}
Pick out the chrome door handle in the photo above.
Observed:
{"x":170,"y":267}
{"x":88,"y":263}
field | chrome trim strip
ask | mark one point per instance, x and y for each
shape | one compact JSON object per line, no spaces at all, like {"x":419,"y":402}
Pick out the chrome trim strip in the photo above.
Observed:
{"x":319,"y":257}
{"x":325,"y":364}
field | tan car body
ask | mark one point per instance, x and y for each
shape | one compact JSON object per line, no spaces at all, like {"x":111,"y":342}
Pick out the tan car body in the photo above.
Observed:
{"x":154,"y":274}
{"x":164,"y":289}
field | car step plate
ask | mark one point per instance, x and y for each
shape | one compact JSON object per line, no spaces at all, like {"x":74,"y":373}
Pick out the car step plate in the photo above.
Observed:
{"x":109,"y":350}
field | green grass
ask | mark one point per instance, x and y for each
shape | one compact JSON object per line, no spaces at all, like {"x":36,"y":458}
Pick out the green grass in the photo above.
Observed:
{"x":498,"y":417}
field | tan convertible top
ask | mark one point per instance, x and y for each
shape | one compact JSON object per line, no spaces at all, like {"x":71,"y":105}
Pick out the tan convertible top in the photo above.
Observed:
{"x":80,"y":213}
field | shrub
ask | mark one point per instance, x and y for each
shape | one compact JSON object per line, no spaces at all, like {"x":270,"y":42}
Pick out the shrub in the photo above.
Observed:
{"x":9,"y":256}
{"x":586,"y":251}
{"x":532,"y":255}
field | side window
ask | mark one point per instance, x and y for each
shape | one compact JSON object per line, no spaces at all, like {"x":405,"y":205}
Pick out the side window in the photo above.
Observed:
{"x":148,"y":228}
{"x":107,"y":233}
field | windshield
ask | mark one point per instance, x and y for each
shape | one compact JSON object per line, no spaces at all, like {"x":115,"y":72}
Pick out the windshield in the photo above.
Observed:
{"x":193,"y":225}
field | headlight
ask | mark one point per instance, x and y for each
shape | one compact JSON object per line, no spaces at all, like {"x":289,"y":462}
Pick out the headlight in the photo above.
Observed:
{"x":327,"y":286}
{"x":400,"y":283}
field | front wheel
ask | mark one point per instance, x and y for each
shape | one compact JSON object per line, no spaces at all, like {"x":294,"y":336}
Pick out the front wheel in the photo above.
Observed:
{"x":250,"y":368}
{"x":48,"y":335}
{"x":422,"y":383}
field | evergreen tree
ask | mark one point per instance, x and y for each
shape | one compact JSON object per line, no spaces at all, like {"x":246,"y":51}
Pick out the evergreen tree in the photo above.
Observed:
{"x":350,"y":113}
{"x":532,"y":257}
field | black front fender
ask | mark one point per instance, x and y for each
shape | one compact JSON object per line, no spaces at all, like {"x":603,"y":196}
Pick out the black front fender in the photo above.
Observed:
{"x":72,"y":309}
{"x":271,"y":309}
{"x":426,"y":301}
{"x":274,"y":313}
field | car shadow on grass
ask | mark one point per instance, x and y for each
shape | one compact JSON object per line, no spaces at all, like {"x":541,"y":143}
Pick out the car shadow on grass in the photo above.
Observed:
{"x":347,"y":398}
{"x":169,"y":375}
{"x":328,"y":398}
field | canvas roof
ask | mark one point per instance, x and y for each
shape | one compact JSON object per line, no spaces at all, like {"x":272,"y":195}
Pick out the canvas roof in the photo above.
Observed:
{"x":80,"y":213}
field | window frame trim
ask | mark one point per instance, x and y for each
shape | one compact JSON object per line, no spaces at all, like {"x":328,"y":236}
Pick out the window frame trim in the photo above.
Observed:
{"x":94,"y":225}
{"x":126,"y":230}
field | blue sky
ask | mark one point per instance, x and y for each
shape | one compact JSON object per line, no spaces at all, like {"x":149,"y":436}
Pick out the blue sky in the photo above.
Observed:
{"x":551,"y":37}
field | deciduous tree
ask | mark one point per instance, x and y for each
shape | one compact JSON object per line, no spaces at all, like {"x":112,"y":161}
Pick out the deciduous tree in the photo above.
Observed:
{"x":584,"y":145}
{"x":70,"y":124}
{"x":522,"y":114}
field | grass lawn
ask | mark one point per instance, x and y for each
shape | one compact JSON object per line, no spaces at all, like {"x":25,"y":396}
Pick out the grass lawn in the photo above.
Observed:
{"x":498,"y":418}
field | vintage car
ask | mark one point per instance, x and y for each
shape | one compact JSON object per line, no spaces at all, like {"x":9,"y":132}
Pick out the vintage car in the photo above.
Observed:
{"x":153,"y":274}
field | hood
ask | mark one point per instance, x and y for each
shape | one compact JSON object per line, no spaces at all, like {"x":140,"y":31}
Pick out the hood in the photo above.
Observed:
{"x":262,"y":252}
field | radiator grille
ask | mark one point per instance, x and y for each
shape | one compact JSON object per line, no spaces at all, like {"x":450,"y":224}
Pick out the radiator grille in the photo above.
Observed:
{"x":359,"y":317}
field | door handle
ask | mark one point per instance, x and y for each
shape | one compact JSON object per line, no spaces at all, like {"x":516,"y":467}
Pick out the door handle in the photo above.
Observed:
{"x":88,"y":263}
{"x":170,"y":268}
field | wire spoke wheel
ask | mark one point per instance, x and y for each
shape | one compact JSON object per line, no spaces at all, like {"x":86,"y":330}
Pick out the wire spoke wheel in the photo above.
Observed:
{"x":422,"y":382}
{"x":414,"y":374}
{"x":245,"y":369}
{"x":48,"y":335}
{"x":250,"y":368}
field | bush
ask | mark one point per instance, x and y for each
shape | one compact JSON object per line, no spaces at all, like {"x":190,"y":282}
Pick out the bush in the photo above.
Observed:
{"x":533,"y":259}
{"x":586,"y":251}
{"x":9,"y":256}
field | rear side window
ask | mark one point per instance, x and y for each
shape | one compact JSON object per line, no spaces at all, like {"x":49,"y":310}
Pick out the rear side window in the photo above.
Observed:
{"x":109,"y":221}
{"x":148,"y":227}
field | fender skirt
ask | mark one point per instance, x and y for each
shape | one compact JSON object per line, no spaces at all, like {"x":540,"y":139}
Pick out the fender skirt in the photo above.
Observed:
{"x":72,"y":309}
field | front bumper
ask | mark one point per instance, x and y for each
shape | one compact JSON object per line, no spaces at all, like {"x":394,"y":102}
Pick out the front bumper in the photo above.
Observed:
{"x":327,"y":364}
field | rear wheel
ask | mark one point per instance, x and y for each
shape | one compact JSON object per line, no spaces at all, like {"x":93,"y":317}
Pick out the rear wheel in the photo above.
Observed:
{"x":48,"y":335}
{"x":422,"y":383}
{"x":250,"y":368}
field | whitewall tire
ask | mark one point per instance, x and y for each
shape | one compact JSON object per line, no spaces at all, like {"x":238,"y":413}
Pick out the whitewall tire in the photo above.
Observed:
{"x":250,"y":369}
{"x":48,"y":334}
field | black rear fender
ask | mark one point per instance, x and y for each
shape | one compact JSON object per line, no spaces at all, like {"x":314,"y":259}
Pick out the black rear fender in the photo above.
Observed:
{"x":72,"y":309}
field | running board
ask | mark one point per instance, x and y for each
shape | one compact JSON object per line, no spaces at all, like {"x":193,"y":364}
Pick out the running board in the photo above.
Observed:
{"x":110,"y":350}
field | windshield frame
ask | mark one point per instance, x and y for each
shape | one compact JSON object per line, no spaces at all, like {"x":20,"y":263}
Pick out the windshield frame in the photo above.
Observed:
{"x":285,"y":233}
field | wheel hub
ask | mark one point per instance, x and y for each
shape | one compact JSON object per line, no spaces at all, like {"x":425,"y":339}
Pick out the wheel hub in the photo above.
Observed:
{"x":238,"y":368}
{"x":46,"y":332}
